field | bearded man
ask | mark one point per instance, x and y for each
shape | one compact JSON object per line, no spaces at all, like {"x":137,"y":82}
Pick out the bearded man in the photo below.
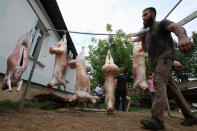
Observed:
{"x":158,"y":43}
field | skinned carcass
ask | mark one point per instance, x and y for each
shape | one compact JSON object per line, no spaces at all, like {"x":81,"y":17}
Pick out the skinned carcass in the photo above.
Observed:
{"x":60,"y":63}
{"x":82,"y":85}
{"x":17,"y":63}
{"x":109,"y":68}
{"x":139,"y":67}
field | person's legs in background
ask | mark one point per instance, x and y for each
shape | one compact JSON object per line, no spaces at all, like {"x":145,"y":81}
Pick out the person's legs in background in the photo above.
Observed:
{"x":123,"y":97}
{"x":117,"y":99}
{"x":152,"y":94}
{"x":97,"y":104}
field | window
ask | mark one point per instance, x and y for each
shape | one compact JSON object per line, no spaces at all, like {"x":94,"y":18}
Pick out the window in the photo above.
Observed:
{"x":37,"y":35}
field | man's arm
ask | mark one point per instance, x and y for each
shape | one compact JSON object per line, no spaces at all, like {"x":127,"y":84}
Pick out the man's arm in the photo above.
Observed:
{"x":184,"y":43}
{"x":141,"y":32}
{"x":143,"y":45}
{"x":137,"y":39}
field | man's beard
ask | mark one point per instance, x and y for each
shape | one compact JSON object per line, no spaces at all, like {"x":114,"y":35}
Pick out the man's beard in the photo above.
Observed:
{"x":149,"y":22}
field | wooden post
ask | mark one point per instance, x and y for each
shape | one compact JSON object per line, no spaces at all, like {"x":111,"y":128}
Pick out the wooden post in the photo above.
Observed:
{"x":21,"y":107}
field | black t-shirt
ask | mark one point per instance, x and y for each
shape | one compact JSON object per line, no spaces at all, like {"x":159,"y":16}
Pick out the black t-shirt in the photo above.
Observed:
{"x":121,"y":82}
{"x":159,"y":42}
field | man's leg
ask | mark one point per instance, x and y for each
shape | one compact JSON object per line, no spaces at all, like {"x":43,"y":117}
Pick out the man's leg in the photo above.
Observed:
{"x":161,"y":76}
{"x":152,"y":94}
{"x":183,"y":104}
{"x":97,"y":103}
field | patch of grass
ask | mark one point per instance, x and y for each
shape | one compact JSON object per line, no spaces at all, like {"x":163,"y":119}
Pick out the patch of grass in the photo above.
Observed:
{"x":139,"y":109}
{"x":44,"y":105}
{"x":9,"y":105}
{"x":147,"y":110}
{"x":175,"y":112}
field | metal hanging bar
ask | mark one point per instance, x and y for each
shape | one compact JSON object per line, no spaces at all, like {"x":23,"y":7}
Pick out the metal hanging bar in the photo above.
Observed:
{"x":188,"y":18}
{"x":172,"y":9}
{"x":76,"y":32}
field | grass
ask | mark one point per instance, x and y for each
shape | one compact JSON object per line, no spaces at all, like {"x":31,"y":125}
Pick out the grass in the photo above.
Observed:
{"x":47,"y":105}
{"x":44,"y":105}
{"x":136,"y":109}
{"x":139,"y":109}
{"x":9,"y":105}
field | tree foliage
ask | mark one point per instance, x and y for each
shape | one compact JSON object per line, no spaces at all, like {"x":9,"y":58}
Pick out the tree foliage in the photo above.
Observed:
{"x":189,"y":62}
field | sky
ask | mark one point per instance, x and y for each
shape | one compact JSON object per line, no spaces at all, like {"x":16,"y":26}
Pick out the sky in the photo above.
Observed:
{"x":93,"y":16}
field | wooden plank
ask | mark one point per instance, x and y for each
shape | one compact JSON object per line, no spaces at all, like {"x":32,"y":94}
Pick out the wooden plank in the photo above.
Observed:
{"x":65,"y":97}
{"x":67,"y":110}
{"x":81,"y":110}
{"x":62,"y":95}
{"x":59,"y":95}
{"x":37,"y":62}
{"x":193,"y":107}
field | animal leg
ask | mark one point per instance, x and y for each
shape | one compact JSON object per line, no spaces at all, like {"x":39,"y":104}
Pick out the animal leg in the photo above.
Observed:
{"x":73,"y":98}
{"x":19,"y":85}
{"x":52,"y":82}
{"x":63,"y":83}
{"x":9,"y":84}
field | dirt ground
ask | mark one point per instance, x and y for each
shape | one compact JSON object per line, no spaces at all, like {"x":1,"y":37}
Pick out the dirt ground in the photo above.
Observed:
{"x":33,"y":119}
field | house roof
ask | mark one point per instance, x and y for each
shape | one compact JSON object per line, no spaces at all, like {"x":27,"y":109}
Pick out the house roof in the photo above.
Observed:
{"x":53,"y":11}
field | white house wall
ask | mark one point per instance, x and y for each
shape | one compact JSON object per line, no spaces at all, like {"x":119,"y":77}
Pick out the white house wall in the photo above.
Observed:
{"x":18,"y":18}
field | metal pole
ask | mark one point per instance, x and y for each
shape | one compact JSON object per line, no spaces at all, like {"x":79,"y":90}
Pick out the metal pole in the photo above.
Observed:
{"x":188,"y":18}
{"x":172,"y":9}
{"x":26,"y":88}
{"x":21,"y":107}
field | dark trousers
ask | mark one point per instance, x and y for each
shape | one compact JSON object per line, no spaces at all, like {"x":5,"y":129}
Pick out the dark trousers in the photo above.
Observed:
{"x":152,"y":94}
{"x":162,"y":80}
{"x":120,"y":94}
{"x":98,"y":103}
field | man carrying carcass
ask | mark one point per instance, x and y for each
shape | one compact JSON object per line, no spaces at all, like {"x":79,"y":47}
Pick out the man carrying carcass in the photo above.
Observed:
{"x":158,"y":43}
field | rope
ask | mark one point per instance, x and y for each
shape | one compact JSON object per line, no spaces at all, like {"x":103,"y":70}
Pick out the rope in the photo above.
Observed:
{"x":76,"y":32}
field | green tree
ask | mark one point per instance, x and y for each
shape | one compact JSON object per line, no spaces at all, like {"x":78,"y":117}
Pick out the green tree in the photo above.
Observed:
{"x":189,"y":62}
{"x":121,"y":53}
